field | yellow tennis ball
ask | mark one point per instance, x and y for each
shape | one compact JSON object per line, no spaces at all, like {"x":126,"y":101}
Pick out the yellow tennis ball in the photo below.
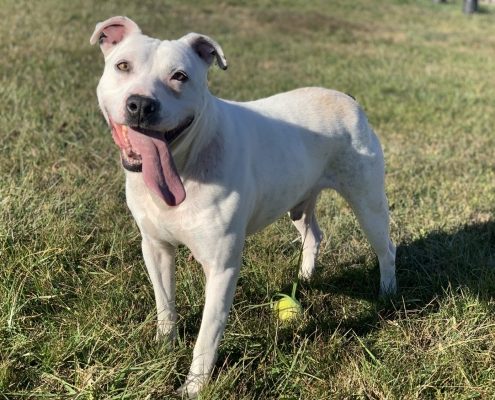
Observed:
{"x":287,"y":308}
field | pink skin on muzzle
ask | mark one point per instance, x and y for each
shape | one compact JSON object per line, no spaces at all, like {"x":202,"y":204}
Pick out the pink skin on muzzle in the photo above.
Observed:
{"x":158,"y":168}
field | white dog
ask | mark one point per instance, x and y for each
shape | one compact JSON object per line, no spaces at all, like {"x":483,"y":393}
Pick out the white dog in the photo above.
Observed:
{"x":206,"y":172}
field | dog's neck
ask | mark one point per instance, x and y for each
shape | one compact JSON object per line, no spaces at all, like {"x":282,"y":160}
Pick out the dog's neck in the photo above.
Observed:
{"x":187,"y":147}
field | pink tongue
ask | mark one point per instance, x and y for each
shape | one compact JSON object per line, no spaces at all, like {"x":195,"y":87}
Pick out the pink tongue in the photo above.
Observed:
{"x":159,"y":172}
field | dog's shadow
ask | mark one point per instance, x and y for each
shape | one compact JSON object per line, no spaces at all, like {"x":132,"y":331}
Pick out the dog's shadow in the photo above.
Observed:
{"x":428,"y":269}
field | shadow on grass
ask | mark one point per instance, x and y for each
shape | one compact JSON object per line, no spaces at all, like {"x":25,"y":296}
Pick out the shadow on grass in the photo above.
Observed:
{"x":427,"y":270}
{"x":484,"y":10}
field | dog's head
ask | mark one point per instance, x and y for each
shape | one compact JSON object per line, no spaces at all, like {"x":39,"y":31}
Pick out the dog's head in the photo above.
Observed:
{"x":151,"y":92}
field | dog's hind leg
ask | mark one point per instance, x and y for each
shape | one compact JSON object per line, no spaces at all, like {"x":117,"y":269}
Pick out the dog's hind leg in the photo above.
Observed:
{"x":368,"y":200}
{"x":304,"y":219}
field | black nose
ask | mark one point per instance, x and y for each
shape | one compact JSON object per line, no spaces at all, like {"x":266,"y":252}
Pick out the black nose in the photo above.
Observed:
{"x":141,"y":110}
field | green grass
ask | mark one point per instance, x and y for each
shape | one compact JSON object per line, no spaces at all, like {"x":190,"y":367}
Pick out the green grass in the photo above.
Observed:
{"x":76,"y":305}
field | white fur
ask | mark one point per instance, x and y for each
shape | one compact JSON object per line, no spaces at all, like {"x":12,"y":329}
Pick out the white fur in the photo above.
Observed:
{"x":243,"y":165}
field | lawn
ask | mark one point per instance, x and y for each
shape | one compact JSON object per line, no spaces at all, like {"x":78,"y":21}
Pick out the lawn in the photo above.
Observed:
{"x":76,"y":305}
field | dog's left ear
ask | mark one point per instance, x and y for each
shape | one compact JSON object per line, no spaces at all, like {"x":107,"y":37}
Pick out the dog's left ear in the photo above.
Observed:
{"x":206,"y":48}
{"x":112,"y":31}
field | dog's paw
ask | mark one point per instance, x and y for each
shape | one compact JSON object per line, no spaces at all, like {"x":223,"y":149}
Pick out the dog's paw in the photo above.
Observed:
{"x":191,"y":388}
{"x":306,"y":272}
{"x":185,"y":393}
{"x":166,"y":333}
{"x":388,"y":287}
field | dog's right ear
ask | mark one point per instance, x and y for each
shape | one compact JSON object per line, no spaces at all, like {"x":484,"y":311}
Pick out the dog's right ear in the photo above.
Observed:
{"x":112,"y":31}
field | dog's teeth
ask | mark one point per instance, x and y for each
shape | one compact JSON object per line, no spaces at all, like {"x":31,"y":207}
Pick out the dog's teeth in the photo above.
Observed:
{"x":132,"y":156}
{"x":125,"y":138}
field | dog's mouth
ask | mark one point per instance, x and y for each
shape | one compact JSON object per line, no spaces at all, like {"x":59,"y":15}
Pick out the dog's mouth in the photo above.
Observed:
{"x":147,"y":151}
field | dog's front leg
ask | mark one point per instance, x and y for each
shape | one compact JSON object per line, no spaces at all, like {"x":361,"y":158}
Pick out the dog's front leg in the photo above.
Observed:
{"x":160,"y":262}
{"x":221,"y":280}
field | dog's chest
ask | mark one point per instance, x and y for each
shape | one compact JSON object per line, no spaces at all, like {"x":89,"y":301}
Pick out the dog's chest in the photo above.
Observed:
{"x":154,"y":220}
{"x":194,"y":219}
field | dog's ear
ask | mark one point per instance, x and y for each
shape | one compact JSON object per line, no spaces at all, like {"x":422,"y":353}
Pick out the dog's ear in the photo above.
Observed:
{"x":206,"y":48}
{"x":112,"y":31}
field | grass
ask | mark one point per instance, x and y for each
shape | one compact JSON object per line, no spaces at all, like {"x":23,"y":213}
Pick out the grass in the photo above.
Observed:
{"x":76,"y":305}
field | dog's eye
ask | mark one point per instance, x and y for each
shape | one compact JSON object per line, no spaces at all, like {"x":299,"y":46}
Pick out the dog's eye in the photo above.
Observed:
{"x":180,"y":76}
{"x":123,"y":66}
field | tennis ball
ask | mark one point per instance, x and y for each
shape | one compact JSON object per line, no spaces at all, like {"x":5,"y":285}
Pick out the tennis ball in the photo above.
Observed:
{"x":287,"y":308}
